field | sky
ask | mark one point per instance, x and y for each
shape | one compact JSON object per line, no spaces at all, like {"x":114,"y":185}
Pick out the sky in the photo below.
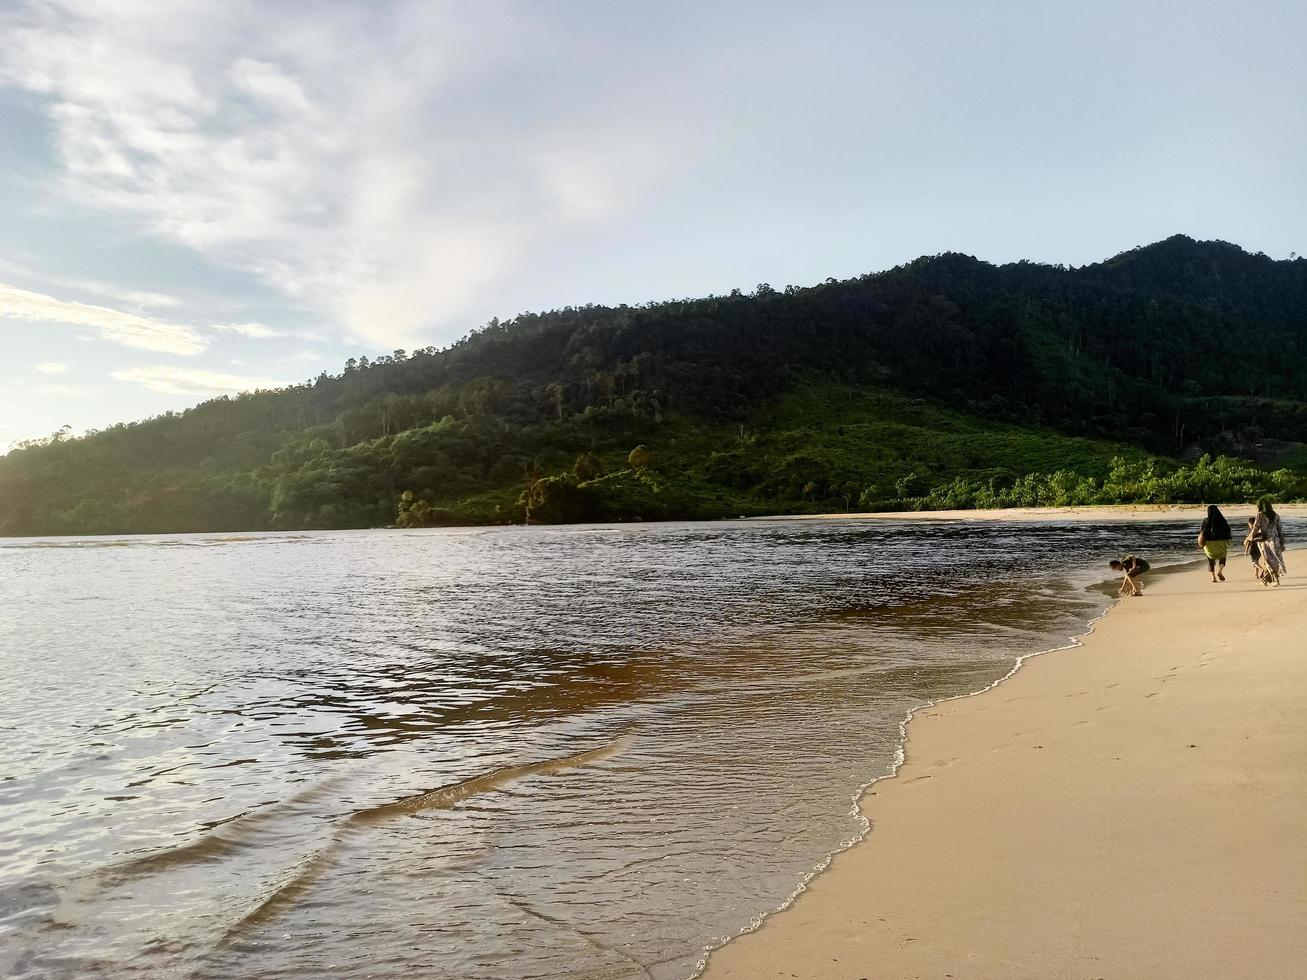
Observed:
{"x":201,"y":198}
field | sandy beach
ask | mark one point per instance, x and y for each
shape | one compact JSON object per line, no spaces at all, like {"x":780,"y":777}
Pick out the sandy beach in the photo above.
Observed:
{"x":1098,"y":512}
{"x":1135,"y":807}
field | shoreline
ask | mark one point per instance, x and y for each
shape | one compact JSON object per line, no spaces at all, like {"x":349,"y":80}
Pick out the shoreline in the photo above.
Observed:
{"x":896,"y":764}
{"x":851,"y":916}
{"x":1108,"y":512}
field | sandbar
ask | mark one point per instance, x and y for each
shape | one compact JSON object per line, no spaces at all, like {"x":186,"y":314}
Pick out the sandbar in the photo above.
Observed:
{"x":1098,"y":512}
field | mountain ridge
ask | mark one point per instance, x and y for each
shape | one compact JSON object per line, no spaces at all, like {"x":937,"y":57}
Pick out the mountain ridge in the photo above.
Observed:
{"x":1154,"y":355}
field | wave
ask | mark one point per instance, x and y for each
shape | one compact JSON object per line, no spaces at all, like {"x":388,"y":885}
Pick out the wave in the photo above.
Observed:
{"x":182,"y":540}
{"x":232,"y":835}
{"x":446,"y":796}
{"x":243,"y":832}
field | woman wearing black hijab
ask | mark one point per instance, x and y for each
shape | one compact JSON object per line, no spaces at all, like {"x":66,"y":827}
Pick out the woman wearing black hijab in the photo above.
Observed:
{"x":1214,"y":539}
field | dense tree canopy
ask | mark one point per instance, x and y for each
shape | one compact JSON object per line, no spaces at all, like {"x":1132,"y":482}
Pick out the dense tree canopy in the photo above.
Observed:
{"x":863,"y":392}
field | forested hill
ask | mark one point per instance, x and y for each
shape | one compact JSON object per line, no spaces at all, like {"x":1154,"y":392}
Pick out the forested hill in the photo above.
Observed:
{"x":945,"y":381}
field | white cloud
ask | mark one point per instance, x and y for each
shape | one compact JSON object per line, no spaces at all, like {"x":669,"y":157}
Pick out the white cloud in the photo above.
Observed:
{"x":188,"y":381}
{"x":117,"y":326}
{"x":255,"y":330}
{"x":259,"y":331}
{"x":51,"y":367}
{"x":360,"y":161}
{"x":139,"y":298}
{"x":271,"y":86}
{"x":148,"y":300}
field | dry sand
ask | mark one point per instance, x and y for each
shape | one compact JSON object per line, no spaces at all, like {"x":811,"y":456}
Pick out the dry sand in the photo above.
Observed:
{"x":1099,"y":512}
{"x":1132,"y":808}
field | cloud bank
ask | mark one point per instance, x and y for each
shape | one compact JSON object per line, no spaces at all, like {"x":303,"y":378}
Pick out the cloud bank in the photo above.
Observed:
{"x":128,"y":329}
{"x":364,"y":161}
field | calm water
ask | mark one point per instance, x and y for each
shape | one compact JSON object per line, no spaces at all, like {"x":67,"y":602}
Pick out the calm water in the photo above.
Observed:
{"x":505,"y":753}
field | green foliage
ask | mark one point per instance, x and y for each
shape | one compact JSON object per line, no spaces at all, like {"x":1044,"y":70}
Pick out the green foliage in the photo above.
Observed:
{"x":557,"y":500}
{"x":1147,"y":482}
{"x":587,"y":467}
{"x":414,"y":511}
{"x":943,"y":382}
{"x":640,"y":458}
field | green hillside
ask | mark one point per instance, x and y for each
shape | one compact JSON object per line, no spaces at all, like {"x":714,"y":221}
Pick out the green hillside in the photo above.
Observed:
{"x":943,"y":382}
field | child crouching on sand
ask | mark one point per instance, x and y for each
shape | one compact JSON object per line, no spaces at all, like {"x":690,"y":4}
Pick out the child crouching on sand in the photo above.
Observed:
{"x":1132,"y":568}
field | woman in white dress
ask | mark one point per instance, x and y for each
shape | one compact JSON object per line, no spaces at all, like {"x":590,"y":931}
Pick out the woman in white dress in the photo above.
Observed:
{"x":1268,"y":534}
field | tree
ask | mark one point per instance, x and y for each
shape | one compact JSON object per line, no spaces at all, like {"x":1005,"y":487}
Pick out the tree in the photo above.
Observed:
{"x":558,"y":396}
{"x":413,"y":511}
{"x":556,"y":500}
{"x":587,"y":467}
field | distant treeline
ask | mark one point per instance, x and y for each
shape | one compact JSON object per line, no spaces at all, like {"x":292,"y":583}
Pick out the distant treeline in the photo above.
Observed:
{"x":944,"y":382}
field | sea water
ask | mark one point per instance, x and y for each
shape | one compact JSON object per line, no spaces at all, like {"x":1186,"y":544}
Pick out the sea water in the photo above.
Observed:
{"x":513,"y":752}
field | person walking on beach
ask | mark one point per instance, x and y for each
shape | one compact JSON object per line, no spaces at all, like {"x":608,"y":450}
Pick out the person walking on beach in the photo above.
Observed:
{"x":1132,"y":568}
{"x":1252,"y":550}
{"x":1268,"y":533}
{"x":1214,"y":539}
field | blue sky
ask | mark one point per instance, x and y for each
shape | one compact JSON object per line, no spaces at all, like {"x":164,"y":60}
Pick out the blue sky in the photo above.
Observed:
{"x":199,"y":198}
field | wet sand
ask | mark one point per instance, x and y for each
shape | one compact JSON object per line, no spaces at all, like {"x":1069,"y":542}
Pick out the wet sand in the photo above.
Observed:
{"x":1132,"y":808}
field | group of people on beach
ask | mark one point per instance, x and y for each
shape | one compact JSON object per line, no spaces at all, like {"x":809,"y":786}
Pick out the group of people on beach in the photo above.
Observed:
{"x":1263,"y":544}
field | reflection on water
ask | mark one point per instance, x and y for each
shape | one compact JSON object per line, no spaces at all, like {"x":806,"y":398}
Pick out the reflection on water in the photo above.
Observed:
{"x":580,"y":752}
